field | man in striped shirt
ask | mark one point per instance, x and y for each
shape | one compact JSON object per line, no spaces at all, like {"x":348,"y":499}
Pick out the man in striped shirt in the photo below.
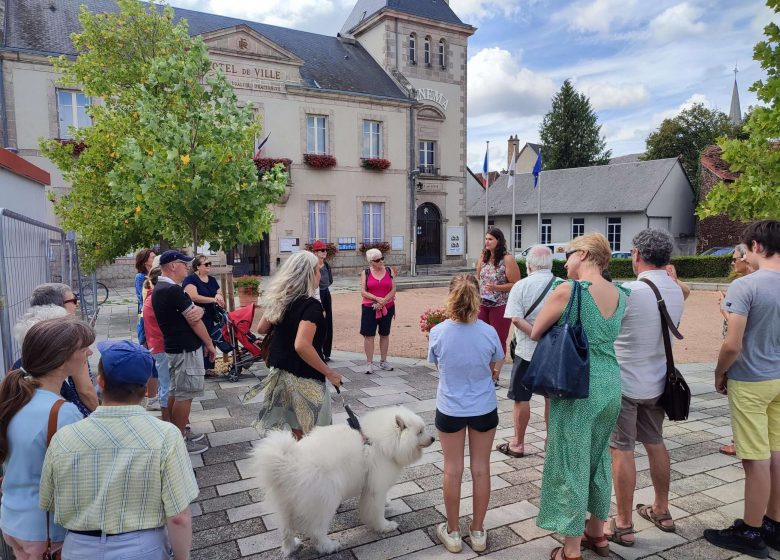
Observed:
{"x":121,"y":480}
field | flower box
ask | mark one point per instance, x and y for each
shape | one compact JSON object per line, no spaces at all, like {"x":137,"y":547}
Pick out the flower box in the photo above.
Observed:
{"x":267,"y":163}
{"x":319,"y":161}
{"x":383,"y":246}
{"x":329,"y":247}
{"x":375,"y":164}
{"x":77,"y":145}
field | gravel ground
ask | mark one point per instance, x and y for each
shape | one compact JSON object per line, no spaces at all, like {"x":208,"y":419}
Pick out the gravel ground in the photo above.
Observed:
{"x":701,"y":324}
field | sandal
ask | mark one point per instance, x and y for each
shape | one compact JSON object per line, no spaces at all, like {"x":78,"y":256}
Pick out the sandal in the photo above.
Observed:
{"x":504,"y":448}
{"x":656,"y":519}
{"x":617,"y":533}
{"x":599,"y":545}
{"x":557,"y":549}
{"x":729,"y":450}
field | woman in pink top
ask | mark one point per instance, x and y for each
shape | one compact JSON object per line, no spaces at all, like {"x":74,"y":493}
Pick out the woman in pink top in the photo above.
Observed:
{"x":156,"y":345}
{"x":378,"y":290}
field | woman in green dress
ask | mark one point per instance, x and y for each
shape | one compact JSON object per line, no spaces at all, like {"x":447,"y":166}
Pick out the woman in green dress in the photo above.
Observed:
{"x":577,"y":469}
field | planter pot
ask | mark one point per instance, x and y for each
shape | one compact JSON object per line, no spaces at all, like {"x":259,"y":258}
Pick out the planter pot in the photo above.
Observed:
{"x":246,"y":297}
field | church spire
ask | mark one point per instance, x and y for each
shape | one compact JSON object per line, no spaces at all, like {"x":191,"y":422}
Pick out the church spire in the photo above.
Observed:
{"x":735,"y":114}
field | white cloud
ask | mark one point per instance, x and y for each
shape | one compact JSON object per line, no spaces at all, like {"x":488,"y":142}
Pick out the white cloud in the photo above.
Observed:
{"x":612,"y":96}
{"x":676,"y":22}
{"x":471,"y":11}
{"x":497,"y":84}
{"x":597,"y":16}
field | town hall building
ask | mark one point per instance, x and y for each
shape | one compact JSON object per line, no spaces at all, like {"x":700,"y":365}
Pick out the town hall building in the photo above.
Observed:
{"x":391,"y":85}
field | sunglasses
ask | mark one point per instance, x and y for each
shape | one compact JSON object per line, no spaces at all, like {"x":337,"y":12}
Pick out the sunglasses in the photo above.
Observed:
{"x":570,"y":253}
{"x":380,"y":259}
{"x":74,"y":300}
{"x":205,"y":264}
{"x":321,"y":251}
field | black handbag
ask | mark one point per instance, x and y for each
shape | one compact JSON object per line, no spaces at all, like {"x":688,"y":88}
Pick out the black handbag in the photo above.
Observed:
{"x":676,"y":398}
{"x":560,"y":367}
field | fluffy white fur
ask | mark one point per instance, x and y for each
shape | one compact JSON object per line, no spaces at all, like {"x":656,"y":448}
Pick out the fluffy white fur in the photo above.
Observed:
{"x":307,"y":480}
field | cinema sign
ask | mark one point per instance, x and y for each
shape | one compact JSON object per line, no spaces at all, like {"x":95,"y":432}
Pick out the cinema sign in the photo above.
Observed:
{"x":427,"y":94}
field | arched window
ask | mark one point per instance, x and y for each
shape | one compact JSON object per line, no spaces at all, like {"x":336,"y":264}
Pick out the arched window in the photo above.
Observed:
{"x":442,"y":56}
{"x":427,"y":51}
{"x":413,"y":48}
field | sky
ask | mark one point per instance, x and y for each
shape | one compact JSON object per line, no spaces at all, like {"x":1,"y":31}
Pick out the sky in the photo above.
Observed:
{"x":639,"y":61}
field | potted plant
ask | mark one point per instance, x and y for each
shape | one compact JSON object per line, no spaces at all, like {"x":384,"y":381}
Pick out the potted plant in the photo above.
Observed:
{"x":431,"y":318}
{"x":319,"y":161}
{"x":248,"y":288}
{"x":375,"y":164}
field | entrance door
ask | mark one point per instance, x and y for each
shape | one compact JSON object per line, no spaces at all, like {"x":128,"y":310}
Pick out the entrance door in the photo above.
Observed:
{"x":253,"y":258}
{"x":428,"y":234}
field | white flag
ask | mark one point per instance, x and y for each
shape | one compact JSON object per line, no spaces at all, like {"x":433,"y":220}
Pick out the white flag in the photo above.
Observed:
{"x":512,"y":164}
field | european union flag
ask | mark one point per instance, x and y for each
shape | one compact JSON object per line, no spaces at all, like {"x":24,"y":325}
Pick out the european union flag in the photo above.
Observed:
{"x":537,"y":168}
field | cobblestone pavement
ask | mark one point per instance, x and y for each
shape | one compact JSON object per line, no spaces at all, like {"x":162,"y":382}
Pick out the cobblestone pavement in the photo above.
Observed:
{"x":232,"y":521}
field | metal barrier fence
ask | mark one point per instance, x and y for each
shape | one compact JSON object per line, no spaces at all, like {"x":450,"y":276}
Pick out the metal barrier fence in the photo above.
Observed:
{"x":33,"y":253}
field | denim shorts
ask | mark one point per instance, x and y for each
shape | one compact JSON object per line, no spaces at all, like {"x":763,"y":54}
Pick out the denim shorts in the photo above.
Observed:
{"x":163,"y":378}
{"x":150,"y":544}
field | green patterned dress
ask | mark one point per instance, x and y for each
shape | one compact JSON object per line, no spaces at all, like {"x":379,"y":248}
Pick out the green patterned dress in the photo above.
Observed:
{"x":577,"y":468}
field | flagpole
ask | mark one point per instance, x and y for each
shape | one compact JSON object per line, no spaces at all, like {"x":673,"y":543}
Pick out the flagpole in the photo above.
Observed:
{"x":487,"y":181}
{"x":539,"y":209}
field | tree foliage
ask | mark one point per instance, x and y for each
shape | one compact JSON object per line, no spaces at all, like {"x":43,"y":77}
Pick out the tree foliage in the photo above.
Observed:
{"x":169,"y":152}
{"x":570,"y":133}
{"x":755,"y":194}
{"x":687,"y":134}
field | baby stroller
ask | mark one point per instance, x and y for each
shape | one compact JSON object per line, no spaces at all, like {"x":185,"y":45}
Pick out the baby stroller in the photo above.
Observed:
{"x":232,"y":333}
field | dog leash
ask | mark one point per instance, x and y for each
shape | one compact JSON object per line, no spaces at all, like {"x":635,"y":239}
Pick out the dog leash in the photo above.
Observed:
{"x":352,"y":419}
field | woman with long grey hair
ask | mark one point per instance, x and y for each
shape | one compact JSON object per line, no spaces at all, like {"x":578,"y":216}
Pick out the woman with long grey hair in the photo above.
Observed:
{"x":295,"y":393}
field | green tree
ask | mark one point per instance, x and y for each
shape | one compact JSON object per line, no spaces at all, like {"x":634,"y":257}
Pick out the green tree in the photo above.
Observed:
{"x":755,"y":194}
{"x":169,"y":151}
{"x":686,"y":135}
{"x":570,"y":132}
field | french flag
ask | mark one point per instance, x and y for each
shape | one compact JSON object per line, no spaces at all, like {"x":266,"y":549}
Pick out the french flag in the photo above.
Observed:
{"x":485,"y":176}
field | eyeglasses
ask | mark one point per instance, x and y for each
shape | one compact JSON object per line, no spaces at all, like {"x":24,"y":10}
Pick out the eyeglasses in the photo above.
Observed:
{"x":380,"y":259}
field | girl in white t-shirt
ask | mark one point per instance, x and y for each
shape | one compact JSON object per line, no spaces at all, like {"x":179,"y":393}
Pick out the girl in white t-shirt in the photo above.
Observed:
{"x":466,"y":351}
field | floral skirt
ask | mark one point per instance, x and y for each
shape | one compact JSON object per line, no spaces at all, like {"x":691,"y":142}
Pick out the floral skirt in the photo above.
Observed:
{"x":288,"y":400}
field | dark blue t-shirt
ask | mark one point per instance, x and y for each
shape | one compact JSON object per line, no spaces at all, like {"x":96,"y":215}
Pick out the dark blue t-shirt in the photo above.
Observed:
{"x":205,"y":289}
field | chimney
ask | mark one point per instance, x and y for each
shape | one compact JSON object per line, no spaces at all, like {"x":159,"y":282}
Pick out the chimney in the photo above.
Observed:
{"x":512,"y":148}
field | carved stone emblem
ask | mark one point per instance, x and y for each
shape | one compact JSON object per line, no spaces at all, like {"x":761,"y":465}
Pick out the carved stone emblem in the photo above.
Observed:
{"x":243,"y":44}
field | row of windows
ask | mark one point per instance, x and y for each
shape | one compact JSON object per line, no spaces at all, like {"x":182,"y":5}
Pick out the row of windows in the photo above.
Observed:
{"x":441,"y":53}
{"x":317,"y":136}
{"x":373,"y":221}
{"x":614,"y":227}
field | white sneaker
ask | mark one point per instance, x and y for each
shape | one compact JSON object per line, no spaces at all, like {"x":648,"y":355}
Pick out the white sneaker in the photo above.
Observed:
{"x":385,"y":366}
{"x":451,"y":541}
{"x":369,"y":368}
{"x":478,"y":540}
{"x":153,"y":404}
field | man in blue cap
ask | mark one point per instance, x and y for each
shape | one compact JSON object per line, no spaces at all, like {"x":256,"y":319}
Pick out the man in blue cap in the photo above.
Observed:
{"x":185,"y":337}
{"x":121,"y":480}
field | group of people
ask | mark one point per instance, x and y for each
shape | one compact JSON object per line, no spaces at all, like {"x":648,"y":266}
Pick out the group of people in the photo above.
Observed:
{"x":590,"y":442}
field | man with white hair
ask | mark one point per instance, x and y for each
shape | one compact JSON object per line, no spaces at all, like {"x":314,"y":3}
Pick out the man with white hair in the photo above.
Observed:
{"x":184,"y":335}
{"x":525,"y":301}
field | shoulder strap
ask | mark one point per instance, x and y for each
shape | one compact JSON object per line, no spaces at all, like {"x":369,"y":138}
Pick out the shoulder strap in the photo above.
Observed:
{"x":535,"y":304}
{"x":53,"y":413}
{"x":662,"y":308}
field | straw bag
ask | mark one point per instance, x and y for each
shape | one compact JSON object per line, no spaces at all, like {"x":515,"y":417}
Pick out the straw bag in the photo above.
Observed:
{"x":53,"y":413}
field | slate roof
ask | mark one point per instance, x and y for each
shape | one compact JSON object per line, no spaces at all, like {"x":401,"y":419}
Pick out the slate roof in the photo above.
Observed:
{"x":438,"y":10}
{"x":628,"y":158}
{"x":332,"y":63}
{"x":623,"y":187}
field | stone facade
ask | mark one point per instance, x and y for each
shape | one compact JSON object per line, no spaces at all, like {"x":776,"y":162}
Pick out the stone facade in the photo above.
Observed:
{"x":718,"y":231}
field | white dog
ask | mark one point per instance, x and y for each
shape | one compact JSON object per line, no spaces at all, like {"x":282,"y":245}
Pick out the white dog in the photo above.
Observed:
{"x":307,"y":480}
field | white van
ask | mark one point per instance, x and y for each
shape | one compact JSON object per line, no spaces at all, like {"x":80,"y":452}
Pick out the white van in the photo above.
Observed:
{"x":558,"y":251}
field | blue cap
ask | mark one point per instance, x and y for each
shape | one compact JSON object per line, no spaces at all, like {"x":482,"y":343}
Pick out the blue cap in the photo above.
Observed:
{"x":171,"y":256}
{"x":125,"y":361}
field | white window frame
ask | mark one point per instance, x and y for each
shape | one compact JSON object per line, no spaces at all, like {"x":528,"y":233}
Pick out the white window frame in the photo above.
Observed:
{"x":614,"y":232}
{"x":319,"y":220}
{"x":373,"y":222}
{"x":372,"y":139}
{"x":75,"y":96}
{"x":546,"y":231}
{"x":413,"y":48}
{"x":442,"y":53}
{"x":577,"y":229}
{"x":315,"y":124}
{"x":518,"y":231}
{"x":427,"y":156}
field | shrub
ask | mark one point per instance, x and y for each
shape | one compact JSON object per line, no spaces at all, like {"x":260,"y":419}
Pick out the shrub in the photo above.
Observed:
{"x":687,"y":267}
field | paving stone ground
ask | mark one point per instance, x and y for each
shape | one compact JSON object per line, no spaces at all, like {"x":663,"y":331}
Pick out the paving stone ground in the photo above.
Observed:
{"x":232,"y":521}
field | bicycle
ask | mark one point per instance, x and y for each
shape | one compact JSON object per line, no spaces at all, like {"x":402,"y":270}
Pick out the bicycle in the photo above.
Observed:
{"x":85,"y":282}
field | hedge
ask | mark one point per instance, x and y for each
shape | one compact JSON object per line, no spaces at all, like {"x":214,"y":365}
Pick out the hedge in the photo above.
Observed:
{"x":687,"y":267}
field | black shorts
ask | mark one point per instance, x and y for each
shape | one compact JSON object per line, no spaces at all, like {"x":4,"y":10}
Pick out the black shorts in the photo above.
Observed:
{"x":369,"y":322}
{"x":452,"y":424}
{"x":516,"y":391}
